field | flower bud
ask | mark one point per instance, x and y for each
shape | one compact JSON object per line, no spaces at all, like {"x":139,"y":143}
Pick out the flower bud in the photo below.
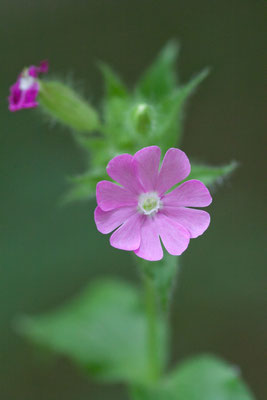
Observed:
{"x":142,"y":117}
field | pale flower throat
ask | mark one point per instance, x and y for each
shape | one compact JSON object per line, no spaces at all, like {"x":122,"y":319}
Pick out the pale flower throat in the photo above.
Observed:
{"x":26,"y":81}
{"x":149,"y":203}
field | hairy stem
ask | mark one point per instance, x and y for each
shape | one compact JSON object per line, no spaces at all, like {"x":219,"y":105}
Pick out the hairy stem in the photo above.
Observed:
{"x":152,"y":329}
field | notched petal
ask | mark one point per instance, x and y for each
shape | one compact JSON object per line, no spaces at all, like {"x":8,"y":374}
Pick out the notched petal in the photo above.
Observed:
{"x":191,"y":193}
{"x":175,"y":168}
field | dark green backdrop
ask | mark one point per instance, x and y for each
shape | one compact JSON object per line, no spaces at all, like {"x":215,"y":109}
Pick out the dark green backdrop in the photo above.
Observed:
{"x":48,"y":253}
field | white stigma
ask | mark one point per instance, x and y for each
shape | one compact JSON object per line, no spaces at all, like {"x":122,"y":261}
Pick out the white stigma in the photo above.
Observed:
{"x":149,"y":203}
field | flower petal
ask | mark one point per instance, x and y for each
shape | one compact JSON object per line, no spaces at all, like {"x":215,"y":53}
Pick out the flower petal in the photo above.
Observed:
{"x":150,"y":247}
{"x":41,"y":69}
{"x":148,"y":160}
{"x":128,"y":235}
{"x":20,"y":99}
{"x":44,"y":67}
{"x":31,"y":95}
{"x":123,"y":170}
{"x":174,"y":236}
{"x":107,"y":221}
{"x":175,"y":167}
{"x":195,"y":221}
{"x":190,"y":194}
{"x":110,"y":196}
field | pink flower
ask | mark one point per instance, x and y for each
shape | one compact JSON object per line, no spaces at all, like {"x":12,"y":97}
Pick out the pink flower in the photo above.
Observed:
{"x":24,"y":92}
{"x":143,"y":210}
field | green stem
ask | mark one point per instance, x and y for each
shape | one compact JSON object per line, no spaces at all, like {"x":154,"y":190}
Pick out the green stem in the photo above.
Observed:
{"x":152,"y":329}
{"x":158,"y":278}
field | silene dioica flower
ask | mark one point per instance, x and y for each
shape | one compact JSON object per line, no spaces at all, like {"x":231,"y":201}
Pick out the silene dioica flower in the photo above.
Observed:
{"x":144,"y":209}
{"x":24,"y":92}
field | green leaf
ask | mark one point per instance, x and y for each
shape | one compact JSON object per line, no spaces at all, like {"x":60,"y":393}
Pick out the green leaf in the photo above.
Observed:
{"x":64,"y":105}
{"x":100,"y":151}
{"x":114,"y":85}
{"x":202,"y":378}
{"x":210,"y":175}
{"x":186,"y":90}
{"x":83,"y":187}
{"x":116,"y":112}
{"x":104,"y":330}
{"x":160,"y":80}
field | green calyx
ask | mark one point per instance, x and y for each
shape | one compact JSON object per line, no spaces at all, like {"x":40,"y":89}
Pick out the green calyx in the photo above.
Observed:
{"x":63,"y":104}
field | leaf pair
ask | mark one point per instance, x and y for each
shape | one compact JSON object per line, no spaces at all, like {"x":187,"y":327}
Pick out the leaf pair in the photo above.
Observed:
{"x":104,"y":331}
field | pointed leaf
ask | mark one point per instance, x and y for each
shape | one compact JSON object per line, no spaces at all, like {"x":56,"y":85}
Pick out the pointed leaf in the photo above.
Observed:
{"x":159,"y":80}
{"x":202,"y":378}
{"x":114,"y":85}
{"x":170,"y":113}
{"x":82,"y":189}
{"x":186,"y":90}
{"x":210,"y":175}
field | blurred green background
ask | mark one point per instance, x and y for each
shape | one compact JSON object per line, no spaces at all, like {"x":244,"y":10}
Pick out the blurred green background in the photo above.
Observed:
{"x":48,"y":253}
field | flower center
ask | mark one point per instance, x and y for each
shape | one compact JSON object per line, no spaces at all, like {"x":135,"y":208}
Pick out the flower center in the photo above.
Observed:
{"x":149,"y":203}
{"x":26,"y":81}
